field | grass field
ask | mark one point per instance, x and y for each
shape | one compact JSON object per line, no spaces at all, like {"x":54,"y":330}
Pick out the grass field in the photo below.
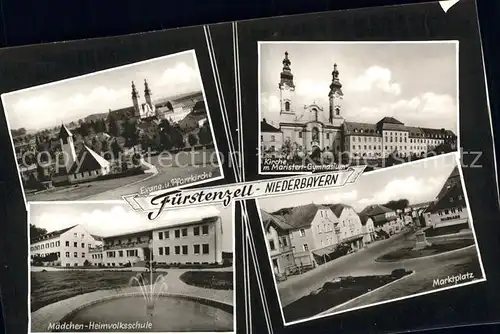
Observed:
{"x":218,"y":280}
{"x":83,"y":190}
{"x":335,"y":293}
{"x":408,"y":252}
{"x":48,"y":287}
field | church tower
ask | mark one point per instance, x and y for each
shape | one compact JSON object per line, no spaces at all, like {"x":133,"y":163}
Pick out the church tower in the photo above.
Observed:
{"x":67,"y":147}
{"x":135,"y":100}
{"x":287,"y":88}
{"x":335,"y":96}
{"x":147,"y":94}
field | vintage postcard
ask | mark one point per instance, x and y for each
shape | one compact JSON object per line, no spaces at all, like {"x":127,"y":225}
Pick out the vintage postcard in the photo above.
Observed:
{"x":396,"y":233}
{"x":100,"y":267}
{"x":110,"y":133}
{"x":323,"y":104}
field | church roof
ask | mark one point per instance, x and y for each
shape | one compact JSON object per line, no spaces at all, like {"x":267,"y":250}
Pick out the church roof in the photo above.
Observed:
{"x":87,"y":161}
{"x":266,"y":127}
{"x":64,"y":132}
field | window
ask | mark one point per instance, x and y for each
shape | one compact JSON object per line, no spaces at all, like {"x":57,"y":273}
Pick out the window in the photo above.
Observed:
{"x":167,"y":250}
{"x":184,"y":232}
{"x":302,"y":232}
{"x":120,"y":253}
{"x":300,"y":134}
{"x":204,"y":229}
{"x":305,"y":247}
{"x":196,"y":249}
{"x":166,"y":234}
{"x":160,"y":251}
{"x":205,"y":249}
{"x":83,"y":254}
{"x":90,"y":245}
{"x":58,"y":243}
{"x":177,"y":233}
{"x":75,"y":244}
{"x":287,"y":106}
{"x":67,"y":254}
{"x":327,"y":136}
{"x":177,"y":250}
{"x":273,"y":138}
{"x":83,"y":245}
{"x":75,"y":254}
{"x":184,"y":250}
{"x":196,"y":230}
{"x":285,"y":242}
{"x":160,"y":235}
{"x":271,"y":245}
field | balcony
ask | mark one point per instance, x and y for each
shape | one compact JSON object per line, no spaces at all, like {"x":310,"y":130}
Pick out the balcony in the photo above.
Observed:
{"x":133,"y":244}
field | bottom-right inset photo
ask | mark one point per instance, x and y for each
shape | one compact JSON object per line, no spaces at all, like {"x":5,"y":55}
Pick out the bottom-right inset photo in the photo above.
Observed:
{"x":396,"y":233}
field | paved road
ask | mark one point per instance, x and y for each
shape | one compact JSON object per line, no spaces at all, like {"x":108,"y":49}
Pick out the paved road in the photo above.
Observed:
{"x":363,"y":263}
{"x":185,"y":167}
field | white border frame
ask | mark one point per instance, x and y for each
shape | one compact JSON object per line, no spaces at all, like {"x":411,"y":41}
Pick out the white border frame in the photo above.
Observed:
{"x":259,"y":93}
{"x":233,"y":215}
{"x":214,"y":139}
{"x":323,"y":315}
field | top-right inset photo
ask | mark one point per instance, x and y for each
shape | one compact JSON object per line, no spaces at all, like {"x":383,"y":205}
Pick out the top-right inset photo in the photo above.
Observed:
{"x":326,"y":105}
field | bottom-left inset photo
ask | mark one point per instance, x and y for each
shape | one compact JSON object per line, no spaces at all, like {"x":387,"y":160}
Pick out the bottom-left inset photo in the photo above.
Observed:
{"x":102,"y":267}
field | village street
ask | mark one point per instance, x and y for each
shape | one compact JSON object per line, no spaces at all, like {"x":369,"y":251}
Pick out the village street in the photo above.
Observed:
{"x":363,"y":263}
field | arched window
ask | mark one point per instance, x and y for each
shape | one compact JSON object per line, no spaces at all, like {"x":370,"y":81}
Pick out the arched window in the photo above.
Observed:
{"x":287,"y":106}
{"x":337,"y":111}
{"x":315,"y":134}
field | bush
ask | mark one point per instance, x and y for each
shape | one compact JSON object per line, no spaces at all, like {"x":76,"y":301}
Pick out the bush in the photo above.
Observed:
{"x":398,"y":273}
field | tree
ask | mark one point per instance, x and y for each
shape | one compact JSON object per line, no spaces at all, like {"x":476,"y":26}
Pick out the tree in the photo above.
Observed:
{"x":116,"y":149}
{"x":113,"y":127}
{"x":97,"y":145}
{"x":399,"y":204}
{"x":36,"y":232}
{"x":130,"y":134}
{"x":205,"y":135}
{"x":192,"y":139}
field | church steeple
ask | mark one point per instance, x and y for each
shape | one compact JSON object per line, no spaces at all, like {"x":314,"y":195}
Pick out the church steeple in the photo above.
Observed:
{"x":147,"y":93}
{"x":335,"y":86}
{"x":135,"y":99}
{"x":335,"y":95}
{"x":286,"y":76}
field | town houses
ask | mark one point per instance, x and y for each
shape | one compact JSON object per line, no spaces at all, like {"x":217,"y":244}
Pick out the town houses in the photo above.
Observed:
{"x":449,"y":207}
{"x":68,"y":247}
{"x":308,"y":128}
{"x":312,"y":234}
{"x":191,"y":242}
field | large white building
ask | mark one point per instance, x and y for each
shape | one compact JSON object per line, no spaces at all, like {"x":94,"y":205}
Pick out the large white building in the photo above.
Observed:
{"x":192,"y":242}
{"x":305,"y":128}
{"x":68,"y":247}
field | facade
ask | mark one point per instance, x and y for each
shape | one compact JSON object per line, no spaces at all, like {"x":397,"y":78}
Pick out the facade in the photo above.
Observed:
{"x":195,"y":242}
{"x":450,"y":207}
{"x":314,"y":231}
{"x":369,"y":234}
{"x":69,"y":247}
{"x":278,"y":244}
{"x":314,"y":127}
{"x":383,"y":218}
{"x":271,"y":139}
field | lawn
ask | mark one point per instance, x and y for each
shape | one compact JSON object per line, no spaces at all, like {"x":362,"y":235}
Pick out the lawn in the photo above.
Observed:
{"x":337,"y":292}
{"x":48,"y":287}
{"x":83,"y":190}
{"x":452,"y":229}
{"x":217,"y":280}
{"x":407,"y":253}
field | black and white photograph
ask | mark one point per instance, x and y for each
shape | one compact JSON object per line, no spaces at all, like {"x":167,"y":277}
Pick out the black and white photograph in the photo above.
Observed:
{"x":114,"y":132}
{"x":396,"y":233}
{"x":101,"y":267}
{"x":325,"y":104}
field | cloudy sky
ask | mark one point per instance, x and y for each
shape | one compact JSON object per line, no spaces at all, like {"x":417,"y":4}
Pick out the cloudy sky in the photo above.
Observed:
{"x":418,"y":182}
{"x":64,"y":101}
{"x":106,"y":219}
{"x":413,"y":82}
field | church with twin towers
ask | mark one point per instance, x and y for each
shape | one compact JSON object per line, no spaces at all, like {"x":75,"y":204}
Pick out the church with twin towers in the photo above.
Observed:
{"x":310,"y":127}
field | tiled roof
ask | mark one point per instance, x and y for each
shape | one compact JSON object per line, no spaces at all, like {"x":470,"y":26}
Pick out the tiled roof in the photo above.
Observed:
{"x":298,"y":217}
{"x":88,"y":161}
{"x":361,"y":129}
{"x":52,"y":234}
{"x":414,"y":132}
{"x":452,"y":198}
{"x":364,"y":218}
{"x":266,"y":127}
{"x":393,"y":127}
{"x":389,"y":120}
{"x":268,"y":218}
{"x":338,"y":208}
{"x":375,"y":209}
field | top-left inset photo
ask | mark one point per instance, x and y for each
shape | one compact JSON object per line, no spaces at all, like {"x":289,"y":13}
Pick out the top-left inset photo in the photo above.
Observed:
{"x":137,"y":128}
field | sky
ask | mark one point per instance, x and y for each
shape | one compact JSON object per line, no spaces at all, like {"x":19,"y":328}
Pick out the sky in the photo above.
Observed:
{"x":418,"y":182}
{"x":414,"y":82}
{"x":69,"y":100}
{"x":107,"y":219}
